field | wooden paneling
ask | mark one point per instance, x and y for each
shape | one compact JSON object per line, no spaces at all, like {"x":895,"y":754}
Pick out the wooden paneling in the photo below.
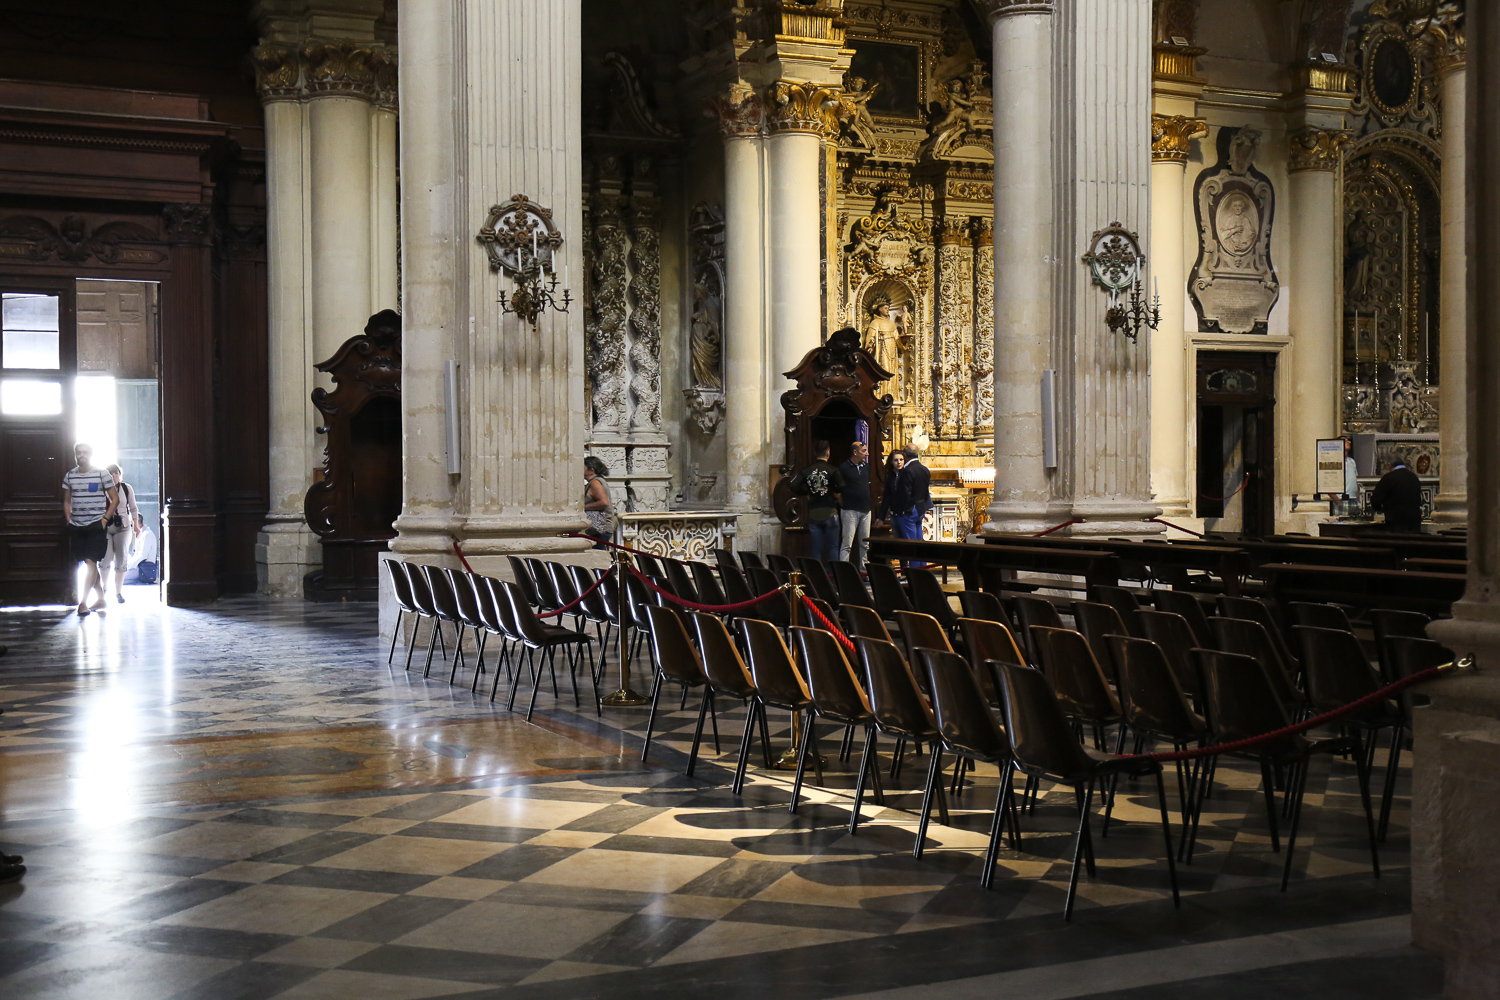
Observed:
{"x":117,"y":328}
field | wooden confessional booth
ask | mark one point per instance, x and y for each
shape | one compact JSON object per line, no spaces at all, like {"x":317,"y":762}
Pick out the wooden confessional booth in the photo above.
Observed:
{"x":355,"y":502}
{"x":837,"y":389}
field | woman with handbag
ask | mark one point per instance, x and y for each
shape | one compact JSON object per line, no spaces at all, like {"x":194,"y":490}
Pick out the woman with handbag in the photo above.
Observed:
{"x":597,"y":506}
{"x":122,"y":530}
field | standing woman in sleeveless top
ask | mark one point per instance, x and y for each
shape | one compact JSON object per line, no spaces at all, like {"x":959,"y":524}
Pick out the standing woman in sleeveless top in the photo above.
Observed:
{"x":597,"y":506}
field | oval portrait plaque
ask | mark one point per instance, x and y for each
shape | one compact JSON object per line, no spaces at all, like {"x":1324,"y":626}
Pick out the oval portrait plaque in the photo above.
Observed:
{"x":1393,"y":75}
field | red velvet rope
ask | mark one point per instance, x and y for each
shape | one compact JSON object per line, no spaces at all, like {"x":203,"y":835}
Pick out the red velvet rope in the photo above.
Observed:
{"x":1058,"y":527}
{"x":1301,"y":727}
{"x":1190,"y":531}
{"x":460,"y":553}
{"x":573,"y":604}
{"x":829,"y":626}
{"x":712,"y":608}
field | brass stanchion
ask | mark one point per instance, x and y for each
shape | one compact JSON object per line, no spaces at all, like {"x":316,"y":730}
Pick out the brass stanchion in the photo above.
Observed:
{"x":788,"y":759}
{"x":625,"y":697}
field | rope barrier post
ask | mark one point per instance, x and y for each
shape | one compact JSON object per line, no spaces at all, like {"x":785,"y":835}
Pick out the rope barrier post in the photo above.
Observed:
{"x":788,"y":759}
{"x":624,"y":697}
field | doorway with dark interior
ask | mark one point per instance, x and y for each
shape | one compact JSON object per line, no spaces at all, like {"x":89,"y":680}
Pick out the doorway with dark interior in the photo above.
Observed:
{"x":1236,"y":442}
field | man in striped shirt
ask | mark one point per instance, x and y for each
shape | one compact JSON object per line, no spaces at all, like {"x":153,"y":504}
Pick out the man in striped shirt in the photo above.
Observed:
{"x":89,"y":500}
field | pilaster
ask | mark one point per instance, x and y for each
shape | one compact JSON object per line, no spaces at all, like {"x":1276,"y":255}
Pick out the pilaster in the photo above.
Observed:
{"x":1451,"y":505}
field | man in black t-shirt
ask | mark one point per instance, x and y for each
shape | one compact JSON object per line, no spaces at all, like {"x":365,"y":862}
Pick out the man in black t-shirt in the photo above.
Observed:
{"x":821,"y":483}
{"x":1399,"y":496}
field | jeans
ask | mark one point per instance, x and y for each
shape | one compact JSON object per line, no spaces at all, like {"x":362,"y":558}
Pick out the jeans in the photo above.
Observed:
{"x":855,"y":535}
{"x":908,"y":525}
{"x":825,"y":538}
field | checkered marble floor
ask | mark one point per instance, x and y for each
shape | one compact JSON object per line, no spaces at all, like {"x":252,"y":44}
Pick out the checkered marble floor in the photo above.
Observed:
{"x":592,"y":874}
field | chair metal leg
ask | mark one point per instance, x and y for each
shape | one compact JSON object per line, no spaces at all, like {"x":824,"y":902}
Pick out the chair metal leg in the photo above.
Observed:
{"x":396,"y":634}
{"x":1265,"y":782}
{"x":1166,"y":833}
{"x":1364,"y":795}
{"x":698,"y":732}
{"x":1388,"y":793}
{"x":807,"y":742}
{"x":1078,"y":844}
{"x":765,"y":734}
{"x":744,"y":761}
{"x":866,"y":758}
{"x":1299,"y":785}
{"x":651,"y":715}
{"x":411,"y":640}
{"x":932,"y":789}
{"x":437,"y":633}
{"x":847,"y":744}
{"x":537,"y":683}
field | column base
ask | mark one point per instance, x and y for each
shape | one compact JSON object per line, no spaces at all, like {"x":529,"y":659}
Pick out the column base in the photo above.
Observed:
{"x":1450,"y":508}
{"x":285,"y":552}
{"x":1096,"y":518}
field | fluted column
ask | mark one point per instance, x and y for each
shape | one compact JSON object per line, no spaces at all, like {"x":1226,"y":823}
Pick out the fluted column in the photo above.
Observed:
{"x":1171,"y":139}
{"x":1452,"y":502}
{"x":1022,"y":78}
{"x":746,"y":414}
{"x":1314,"y":218}
{"x":339,"y":218}
{"x":1456,"y":756}
{"x":385,"y":240}
{"x":489,"y":109}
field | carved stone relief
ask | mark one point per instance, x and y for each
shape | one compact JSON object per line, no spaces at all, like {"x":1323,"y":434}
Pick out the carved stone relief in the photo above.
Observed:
{"x":984,"y":327}
{"x":1233,"y":284}
{"x":955,"y":325}
{"x":705,"y":394}
{"x":645,"y":312}
{"x":606,"y":361}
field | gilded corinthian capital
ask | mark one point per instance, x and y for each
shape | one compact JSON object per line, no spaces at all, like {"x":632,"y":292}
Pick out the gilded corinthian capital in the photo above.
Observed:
{"x":342,"y":68}
{"x":278,"y":72}
{"x":996,"y":9}
{"x":1315,"y":149}
{"x":803,"y":107}
{"x":740,"y":112}
{"x":1171,"y":136}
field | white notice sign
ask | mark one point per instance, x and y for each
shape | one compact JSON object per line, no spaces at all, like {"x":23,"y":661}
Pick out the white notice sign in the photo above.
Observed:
{"x":1331,"y":465}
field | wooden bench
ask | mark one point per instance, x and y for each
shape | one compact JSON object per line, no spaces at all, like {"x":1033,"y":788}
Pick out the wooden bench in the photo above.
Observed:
{"x":976,"y":561}
{"x":1164,"y":560}
{"x":1402,"y":590}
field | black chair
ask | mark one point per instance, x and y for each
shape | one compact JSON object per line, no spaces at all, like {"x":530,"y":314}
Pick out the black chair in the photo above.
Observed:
{"x":446,"y":606}
{"x":898,"y":709}
{"x":1078,"y":680}
{"x":401,"y":590}
{"x":709,"y":590}
{"x":777,"y":610}
{"x":727,"y":674}
{"x":919,"y":631}
{"x":967,"y":729}
{"x":860,"y":620}
{"x":983,"y":605}
{"x":818,"y":583}
{"x":779,"y":564}
{"x":1311,"y":615}
{"x":724,"y":557}
{"x":467,"y":604}
{"x":1097,"y":622}
{"x":1043,"y":747}
{"x":1122,"y":600}
{"x":546,"y":595}
{"x":567,"y":592}
{"x":836,"y":695}
{"x":1406,"y":656}
{"x":648,"y":564}
{"x":421,"y":596}
{"x":494,"y":624}
{"x":1253,"y":609}
{"x":1184,"y":603}
{"x":778,"y":684}
{"x":886,"y":588}
{"x":750,"y":560}
{"x":928,"y":596}
{"x":737,"y":590}
{"x":1387,"y":623}
{"x":682,"y":580}
{"x":851,"y":586}
{"x":1246,"y":638}
{"x":522,"y":573}
{"x":676,"y":660}
{"x":1156,"y":706}
{"x":1174,"y":634}
{"x":543,"y":641}
{"x":1240,"y":704}
{"x":596,"y":610}
{"x":1035,"y":611}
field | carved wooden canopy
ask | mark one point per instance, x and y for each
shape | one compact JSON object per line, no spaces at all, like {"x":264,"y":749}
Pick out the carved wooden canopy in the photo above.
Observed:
{"x":359,"y":495}
{"x":837,"y":383}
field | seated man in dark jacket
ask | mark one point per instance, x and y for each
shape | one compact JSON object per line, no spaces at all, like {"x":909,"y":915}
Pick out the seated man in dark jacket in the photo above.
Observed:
{"x":1399,"y":496}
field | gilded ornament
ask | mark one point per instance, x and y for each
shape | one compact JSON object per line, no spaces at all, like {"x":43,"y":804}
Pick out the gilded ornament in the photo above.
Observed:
{"x":341,"y":68}
{"x":278,"y":72}
{"x":1315,"y":149}
{"x":1175,"y":62}
{"x":739,"y":111}
{"x":1172,"y":135}
{"x":804,"y":107}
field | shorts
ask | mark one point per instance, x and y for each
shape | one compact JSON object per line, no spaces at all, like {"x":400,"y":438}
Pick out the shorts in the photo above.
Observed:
{"x":117,"y":554}
{"x":88,"y":541}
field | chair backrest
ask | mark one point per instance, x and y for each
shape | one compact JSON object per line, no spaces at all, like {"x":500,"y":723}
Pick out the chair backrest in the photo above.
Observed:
{"x":682,"y":580}
{"x":831,"y":682}
{"x":750,"y":560}
{"x":779,"y":564}
{"x":818,"y":583}
{"x":463,"y":597}
{"x":1386,"y":623}
{"x":1184,"y":603}
{"x":777,"y":610}
{"x":1254,"y":609}
{"x":563,"y":586}
{"x":1240,"y":701}
{"x":737,"y":589}
{"x":421,"y":593}
{"x":638,"y":597}
{"x":885,"y":587}
{"x":1041,"y":740}
{"x":983,"y":605}
{"x":1246,"y":638}
{"x":709,"y":591}
{"x":593,"y":607}
{"x":647,"y":564}
{"x":1122,"y":600}
{"x":400,"y":584}
{"x":724,"y":557}
{"x":610,"y":594}
{"x":522,"y":572}
{"x":503,"y":613}
{"x":721,"y":660}
{"x":1319,"y":615}
{"x":963,"y":720}
{"x":676,"y":656}
{"x":441,"y":589}
{"x":1150,"y":694}
{"x":1408,"y":656}
{"x":864,"y":621}
{"x":1096,"y":621}
{"x":1175,"y":635}
{"x":851,"y":587}
{"x":1335,"y":666}
{"x":1076,"y":676}
{"x":826,"y":609}
{"x":895,"y":699}
{"x":546,"y":594}
{"x":1035,"y":611}
{"x":777,"y":681}
{"x":919,"y":631}
{"x":930,"y":598}
{"x":528,"y":625}
{"x":985,"y":641}
{"x":489,"y":614}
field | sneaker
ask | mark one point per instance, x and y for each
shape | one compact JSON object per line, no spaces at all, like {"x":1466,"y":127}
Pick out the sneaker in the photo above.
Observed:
{"x":11,"y":859}
{"x":120,"y":598}
{"x":11,"y":873}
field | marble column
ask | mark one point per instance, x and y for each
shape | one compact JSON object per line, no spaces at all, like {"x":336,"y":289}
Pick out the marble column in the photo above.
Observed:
{"x":797,"y":121}
{"x":1456,"y":757}
{"x":746,"y":411}
{"x":1314,"y":216}
{"x":1171,"y":140}
{"x":1451,"y":504}
{"x":490,"y":98}
{"x":339,"y":229}
{"x":385,"y":237}
{"x":1022,"y":80}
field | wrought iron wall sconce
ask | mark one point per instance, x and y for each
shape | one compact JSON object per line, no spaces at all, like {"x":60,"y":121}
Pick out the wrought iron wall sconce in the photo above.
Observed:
{"x":1114,"y":260}
{"x":522,"y":242}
